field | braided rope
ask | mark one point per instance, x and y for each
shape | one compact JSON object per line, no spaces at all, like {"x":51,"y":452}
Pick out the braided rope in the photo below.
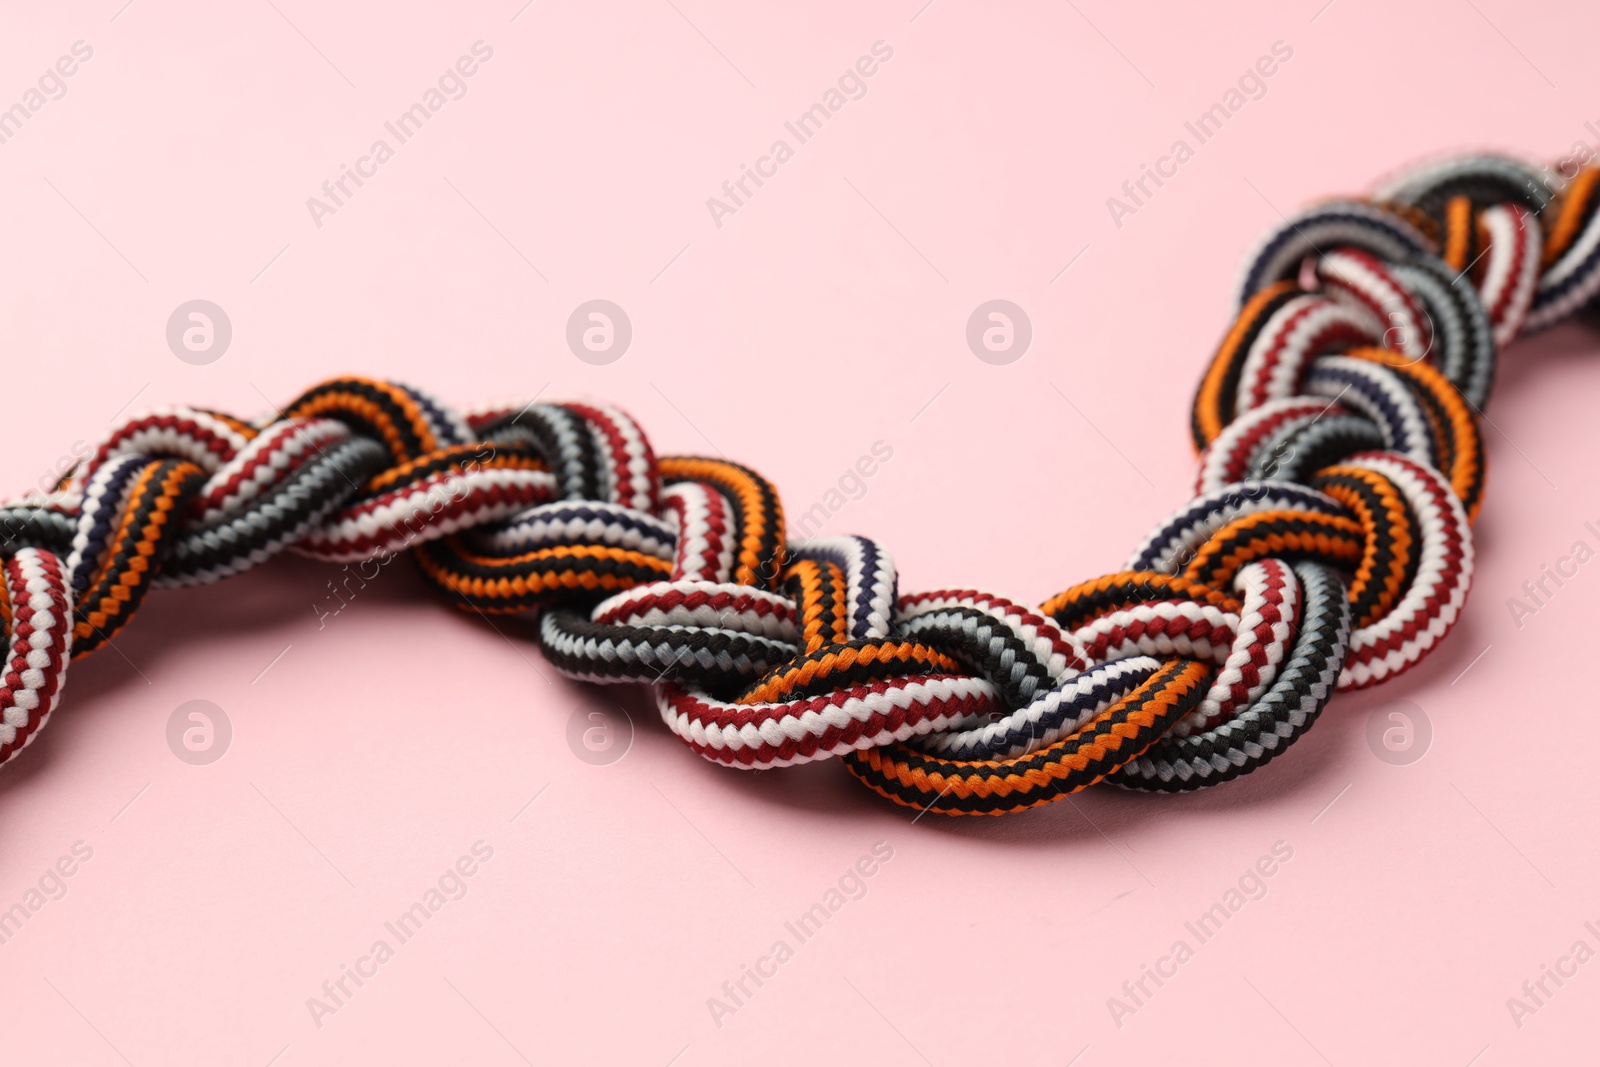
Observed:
{"x":1328,"y":545}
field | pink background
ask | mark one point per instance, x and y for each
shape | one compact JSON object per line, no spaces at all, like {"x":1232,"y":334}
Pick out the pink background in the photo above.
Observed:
{"x":823,"y":316}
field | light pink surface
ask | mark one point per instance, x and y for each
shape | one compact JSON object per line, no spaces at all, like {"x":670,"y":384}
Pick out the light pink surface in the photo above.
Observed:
{"x":824,"y":315}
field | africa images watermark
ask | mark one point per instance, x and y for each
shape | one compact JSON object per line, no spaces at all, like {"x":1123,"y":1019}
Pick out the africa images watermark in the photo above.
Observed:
{"x":738,"y":991}
{"x":451,"y":85}
{"x":852,"y":85}
{"x":851,"y":486}
{"x":1538,"y":592}
{"x":49,"y":886}
{"x":51,"y":85}
{"x":1561,"y":174}
{"x":1537,"y":992}
{"x":1137,"y":992}
{"x":1252,"y":85}
{"x":451,"y":885}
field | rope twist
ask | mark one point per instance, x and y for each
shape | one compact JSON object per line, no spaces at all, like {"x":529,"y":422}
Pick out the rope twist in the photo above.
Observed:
{"x":1328,"y":545}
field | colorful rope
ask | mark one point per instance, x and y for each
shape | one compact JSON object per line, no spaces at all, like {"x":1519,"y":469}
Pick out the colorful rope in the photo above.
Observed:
{"x":1328,"y":545}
